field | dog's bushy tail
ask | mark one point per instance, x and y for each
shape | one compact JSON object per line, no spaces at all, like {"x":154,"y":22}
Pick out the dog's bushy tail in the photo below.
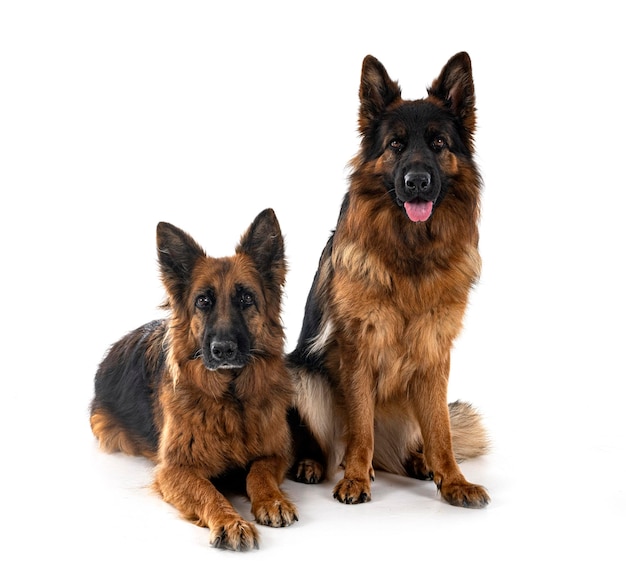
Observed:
{"x":469,"y":436}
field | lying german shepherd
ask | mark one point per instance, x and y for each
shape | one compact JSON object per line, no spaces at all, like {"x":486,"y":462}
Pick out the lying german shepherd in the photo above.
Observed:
{"x":373,"y":358}
{"x":205,"y":393}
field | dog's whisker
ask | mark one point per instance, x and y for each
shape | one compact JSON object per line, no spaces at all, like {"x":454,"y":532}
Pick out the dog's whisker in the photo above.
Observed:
{"x":257,"y":354}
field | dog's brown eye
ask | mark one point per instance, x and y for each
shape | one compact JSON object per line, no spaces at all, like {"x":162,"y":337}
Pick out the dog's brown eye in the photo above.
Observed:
{"x":396,"y":145}
{"x":204,"y":302}
{"x":438,"y":143}
{"x":246,"y":299}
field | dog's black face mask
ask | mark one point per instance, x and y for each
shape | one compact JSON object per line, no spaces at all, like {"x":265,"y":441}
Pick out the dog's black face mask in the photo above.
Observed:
{"x":415,"y":138}
{"x":227,"y":341}
{"x":416,"y":145}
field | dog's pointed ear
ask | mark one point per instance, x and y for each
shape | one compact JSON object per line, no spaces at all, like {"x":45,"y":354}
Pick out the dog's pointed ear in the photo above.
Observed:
{"x":376,"y":93}
{"x":455,"y":88}
{"x":263,"y":242}
{"x":178,"y":253}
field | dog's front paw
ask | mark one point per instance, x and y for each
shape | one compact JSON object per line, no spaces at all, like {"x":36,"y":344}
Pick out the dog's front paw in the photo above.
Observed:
{"x":276,"y":513}
{"x":237,"y":535}
{"x":466,"y":495}
{"x":352,"y":491}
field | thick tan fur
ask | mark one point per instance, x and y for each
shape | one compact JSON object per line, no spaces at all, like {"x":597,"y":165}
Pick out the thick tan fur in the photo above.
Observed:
{"x":211,"y":423}
{"x":391,"y":296}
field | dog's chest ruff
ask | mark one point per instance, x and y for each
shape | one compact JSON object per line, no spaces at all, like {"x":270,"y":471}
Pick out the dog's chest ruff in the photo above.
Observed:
{"x":395,"y":323}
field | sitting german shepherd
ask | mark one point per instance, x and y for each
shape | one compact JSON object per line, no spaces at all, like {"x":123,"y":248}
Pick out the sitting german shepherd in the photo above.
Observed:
{"x":388,"y":299}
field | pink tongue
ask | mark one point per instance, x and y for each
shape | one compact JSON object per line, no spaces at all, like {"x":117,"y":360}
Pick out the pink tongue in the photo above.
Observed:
{"x":418,"y":211}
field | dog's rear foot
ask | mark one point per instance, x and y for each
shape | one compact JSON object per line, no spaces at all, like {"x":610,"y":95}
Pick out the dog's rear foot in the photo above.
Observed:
{"x":417,"y":467}
{"x":309,"y":471}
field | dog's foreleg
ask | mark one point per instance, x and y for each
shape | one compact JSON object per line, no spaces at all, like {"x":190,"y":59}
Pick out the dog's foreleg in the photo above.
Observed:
{"x":198,"y":500}
{"x":355,"y":487}
{"x":434,"y":418}
{"x":269,"y":504}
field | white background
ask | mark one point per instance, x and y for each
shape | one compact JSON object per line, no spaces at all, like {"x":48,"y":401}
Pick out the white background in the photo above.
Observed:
{"x":116,"y":115}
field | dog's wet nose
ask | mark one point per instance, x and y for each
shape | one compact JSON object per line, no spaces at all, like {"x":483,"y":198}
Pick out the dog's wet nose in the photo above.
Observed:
{"x":416,"y":182}
{"x":223,"y":350}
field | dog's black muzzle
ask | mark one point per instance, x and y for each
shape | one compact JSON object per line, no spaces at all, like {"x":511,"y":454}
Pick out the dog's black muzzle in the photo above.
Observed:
{"x":224,"y":353}
{"x":419,"y":184}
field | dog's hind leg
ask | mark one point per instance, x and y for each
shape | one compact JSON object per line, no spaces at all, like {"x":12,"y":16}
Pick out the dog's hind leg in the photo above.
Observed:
{"x":309,"y":466}
{"x":417,"y":467}
{"x":113,"y":437}
{"x":313,"y":427}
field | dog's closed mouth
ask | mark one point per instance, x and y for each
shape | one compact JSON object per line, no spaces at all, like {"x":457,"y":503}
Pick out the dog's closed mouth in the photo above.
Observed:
{"x":225,"y":366}
{"x":418,"y":210}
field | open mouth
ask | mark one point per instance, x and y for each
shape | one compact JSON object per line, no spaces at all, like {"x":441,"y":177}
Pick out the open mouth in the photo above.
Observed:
{"x":418,"y":210}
